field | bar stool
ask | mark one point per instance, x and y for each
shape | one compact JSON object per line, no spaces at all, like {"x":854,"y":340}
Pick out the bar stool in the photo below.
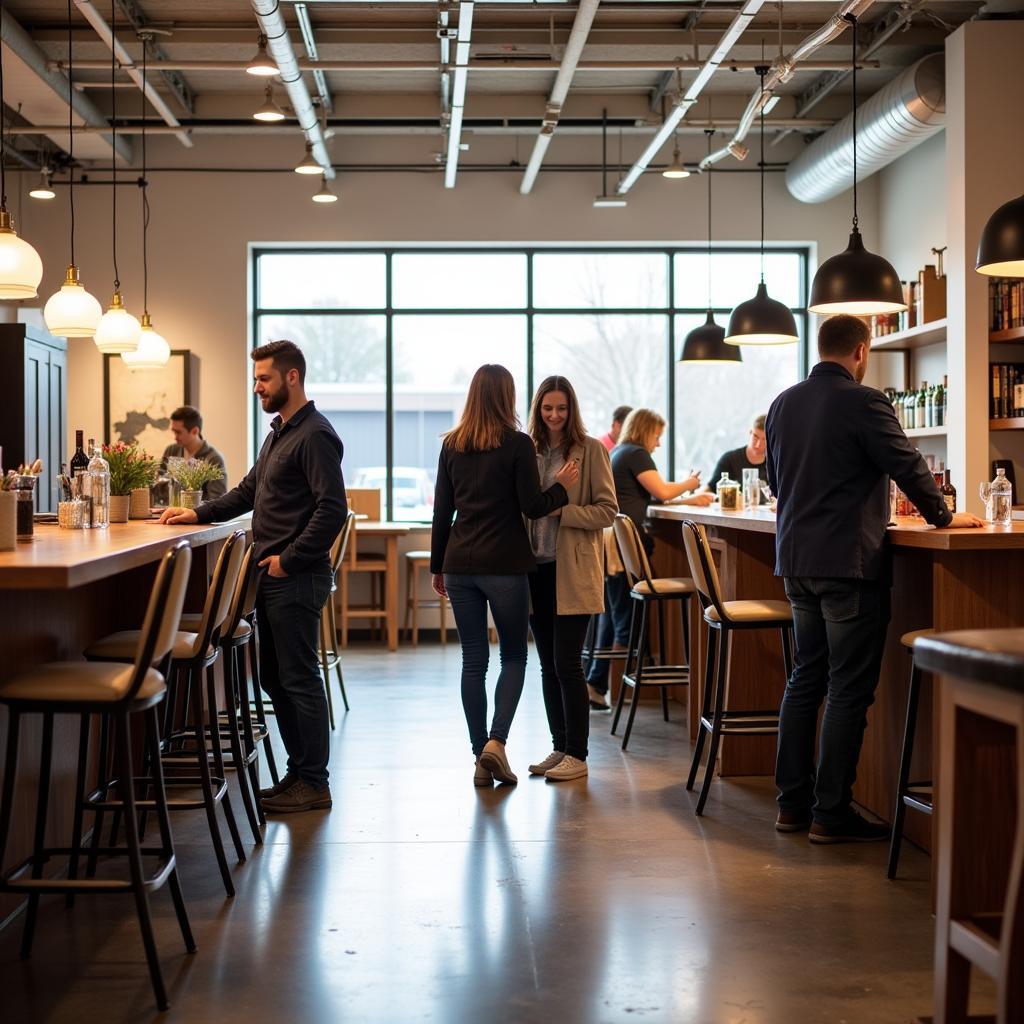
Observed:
{"x":415,"y":562}
{"x":917,"y":795}
{"x":116,"y":693}
{"x":330,"y":654}
{"x":645,"y":591}
{"x":185,"y":737}
{"x":722,"y":618}
{"x":365,"y":502}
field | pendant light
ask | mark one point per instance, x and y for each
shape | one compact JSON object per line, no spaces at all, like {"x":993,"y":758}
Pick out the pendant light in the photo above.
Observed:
{"x":43,"y":190}
{"x":118,"y":331}
{"x":856,"y":281}
{"x":761,"y":320}
{"x":71,"y":312}
{"x":153,"y":351}
{"x":605,"y":201}
{"x":262,"y":65}
{"x":268,"y":110}
{"x":324,"y":194}
{"x":706,"y":344}
{"x":676,"y":169}
{"x":1001,"y":246}
{"x":309,"y":163}
{"x":21,"y":269}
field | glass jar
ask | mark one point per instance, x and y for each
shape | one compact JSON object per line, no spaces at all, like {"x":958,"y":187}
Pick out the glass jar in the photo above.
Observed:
{"x":728,"y":494}
{"x":25,"y":488}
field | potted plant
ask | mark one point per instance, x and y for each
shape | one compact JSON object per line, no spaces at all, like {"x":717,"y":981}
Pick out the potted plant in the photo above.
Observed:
{"x":131,"y":470}
{"x":190,"y":475}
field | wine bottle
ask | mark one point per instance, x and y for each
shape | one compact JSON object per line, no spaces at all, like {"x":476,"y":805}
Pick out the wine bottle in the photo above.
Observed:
{"x":948,"y":492}
{"x":79,"y":461}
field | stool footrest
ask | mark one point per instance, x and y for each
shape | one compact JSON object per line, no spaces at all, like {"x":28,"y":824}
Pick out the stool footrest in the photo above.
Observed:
{"x":12,"y":882}
{"x":977,"y":939}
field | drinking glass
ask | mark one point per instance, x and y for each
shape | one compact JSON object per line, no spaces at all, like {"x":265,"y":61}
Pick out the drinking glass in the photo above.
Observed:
{"x":751,"y":487}
{"x":985,"y":492}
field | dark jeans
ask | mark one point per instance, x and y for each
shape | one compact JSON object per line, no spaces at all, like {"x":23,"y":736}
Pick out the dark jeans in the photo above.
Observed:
{"x":288,"y":617}
{"x":559,"y":640}
{"x":840,"y":630}
{"x":509,"y":598}
{"x":612,"y":627}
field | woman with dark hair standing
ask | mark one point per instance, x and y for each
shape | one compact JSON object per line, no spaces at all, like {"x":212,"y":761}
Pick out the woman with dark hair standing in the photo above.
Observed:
{"x":568,"y":584}
{"x":487,"y":481}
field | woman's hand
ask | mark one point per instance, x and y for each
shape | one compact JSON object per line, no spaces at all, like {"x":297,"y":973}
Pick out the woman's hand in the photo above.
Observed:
{"x":704,"y":498}
{"x":437,"y":583}
{"x":568,"y":474}
{"x":692,"y":482}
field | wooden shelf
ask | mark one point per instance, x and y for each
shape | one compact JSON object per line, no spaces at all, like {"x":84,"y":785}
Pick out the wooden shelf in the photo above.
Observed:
{"x":1010,"y":334}
{"x":1015,"y":423}
{"x":925,"y":431}
{"x":914,"y":337}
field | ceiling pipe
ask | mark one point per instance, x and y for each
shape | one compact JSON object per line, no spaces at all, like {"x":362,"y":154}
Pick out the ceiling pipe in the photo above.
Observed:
{"x":686,"y":100}
{"x":102,"y":29}
{"x":781,"y":69}
{"x":25,"y":49}
{"x":279,"y":46}
{"x":570,"y":59}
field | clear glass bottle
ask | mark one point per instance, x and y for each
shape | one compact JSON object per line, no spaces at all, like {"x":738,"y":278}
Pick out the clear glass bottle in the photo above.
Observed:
{"x":1002,"y":499}
{"x":99,"y":487}
{"x":728,"y":494}
{"x":919,"y":420}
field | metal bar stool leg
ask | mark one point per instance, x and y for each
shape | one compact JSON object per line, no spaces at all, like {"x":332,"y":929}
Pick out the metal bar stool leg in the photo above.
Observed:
{"x":325,"y":667}
{"x":705,"y":708}
{"x":235,"y":743}
{"x":218,"y":761}
{"x":909,"y":729}
{"x":716,"y":726}
{"x":10,"y":774}
{"x":629,"y":652}
{"x":39,"y":839}
{"x":589,"y":641}
{"x":638,"y":678}
{"x":252,"y":747}
{"x":76,"y":823}
{"x":261,"y":713}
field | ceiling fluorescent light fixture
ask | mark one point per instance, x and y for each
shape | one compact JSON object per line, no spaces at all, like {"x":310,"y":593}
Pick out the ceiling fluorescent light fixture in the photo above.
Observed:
{"x":262,"y":65}
{"x":773,"y":102}
{"x":604,"y":202}
{"x":459,"y":87}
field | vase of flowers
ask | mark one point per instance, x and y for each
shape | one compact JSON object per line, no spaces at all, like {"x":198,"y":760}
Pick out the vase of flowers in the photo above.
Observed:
{"x":190,"y":475}
{"x":130,"y":469}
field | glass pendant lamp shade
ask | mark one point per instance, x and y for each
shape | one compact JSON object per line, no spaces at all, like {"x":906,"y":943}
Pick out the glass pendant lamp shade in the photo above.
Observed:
{"x":118,"y":331}
{"x":153,"y":351}
{"x":1001,"y":247}
{"x":761,"y":320}
{"x":706,"y":344}
{"x":309,"y":164}
{"x":857,"y":282}
{"x":72,"y":312}
{"x":21,"y":269}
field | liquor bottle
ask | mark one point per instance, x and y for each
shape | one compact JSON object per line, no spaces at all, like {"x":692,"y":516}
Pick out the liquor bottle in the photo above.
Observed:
{"x":919,"y":418}
{"x":79,"y":461}
{"x":948,"y":492}
{"x":98,"y":475}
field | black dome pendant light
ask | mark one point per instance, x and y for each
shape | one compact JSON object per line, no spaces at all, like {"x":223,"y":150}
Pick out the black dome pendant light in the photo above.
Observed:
{"x":856,"y":281}
{"x":706,"y":344}
{"x":1001,"y":246}
{"x":762,"y":320}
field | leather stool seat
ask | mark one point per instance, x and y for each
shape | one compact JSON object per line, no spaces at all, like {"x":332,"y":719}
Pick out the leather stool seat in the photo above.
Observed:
{"x":123,"y":645}
{"x":908,"y":638}
{"x":193,"y":620}
{"x":87,"y":682}
{"x":777,"y":613}
{"x":664,"y":586}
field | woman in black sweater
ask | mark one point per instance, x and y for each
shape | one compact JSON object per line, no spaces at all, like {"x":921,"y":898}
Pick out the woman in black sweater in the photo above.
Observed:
{"x":480,"y":552}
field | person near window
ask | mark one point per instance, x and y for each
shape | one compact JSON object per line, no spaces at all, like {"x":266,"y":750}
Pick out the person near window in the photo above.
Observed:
{"x":833,"y":444}
{"x":189,"y":443}
{"x":637,"y":484}
{"x":611,"y":439}
{"x":480,"y":553}
{"x":567,"y":586}
{"x":750,"y":456}
{"x":297,"y":497}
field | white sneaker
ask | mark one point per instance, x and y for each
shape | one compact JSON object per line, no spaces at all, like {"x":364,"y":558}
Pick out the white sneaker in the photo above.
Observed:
{"x":494,"y":760}
{"x":549,"y":762}
{"x":568,"y":768}
{"x":482,"y":777}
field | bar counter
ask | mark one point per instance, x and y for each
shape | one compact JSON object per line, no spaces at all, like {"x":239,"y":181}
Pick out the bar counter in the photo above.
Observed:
{"x":59,"y":593}
{"x":946,"y":579}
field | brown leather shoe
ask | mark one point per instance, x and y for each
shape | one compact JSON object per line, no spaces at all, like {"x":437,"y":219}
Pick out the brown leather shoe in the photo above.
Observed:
{"x":854,"y":829}
{"x":279,"y":787}
{"x":299,"y":796}
{"x":793,"y":821}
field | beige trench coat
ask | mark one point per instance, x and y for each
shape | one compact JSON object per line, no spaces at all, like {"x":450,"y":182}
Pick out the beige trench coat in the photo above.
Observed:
{"x":579,"y":553}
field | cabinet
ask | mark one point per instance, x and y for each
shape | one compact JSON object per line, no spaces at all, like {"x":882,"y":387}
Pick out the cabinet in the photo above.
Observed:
{"x":33,"y":415}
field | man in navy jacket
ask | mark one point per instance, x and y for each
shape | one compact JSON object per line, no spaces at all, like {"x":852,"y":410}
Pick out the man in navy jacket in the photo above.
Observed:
{"x":833,"y":444}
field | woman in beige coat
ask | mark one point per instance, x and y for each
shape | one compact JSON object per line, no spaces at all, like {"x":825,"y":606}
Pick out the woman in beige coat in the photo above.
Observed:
{"x":568,"y":584}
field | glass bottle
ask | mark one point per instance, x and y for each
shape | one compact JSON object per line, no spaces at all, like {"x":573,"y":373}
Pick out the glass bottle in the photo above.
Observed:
{"x":909,"y":406}
{"x":1002,"y":499}
{"x":728,"y":494}
{"x":940,"y":405}
{"x":79,"y":461}
{"x":99,"y":487}
{"x":919,"y":420}
{"x":948,"y":491}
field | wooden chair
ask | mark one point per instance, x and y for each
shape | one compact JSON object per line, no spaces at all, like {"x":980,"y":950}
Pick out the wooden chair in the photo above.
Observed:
{"x":364,"y":503}
{"x":330,"y":655}
{"x":415,"y":563}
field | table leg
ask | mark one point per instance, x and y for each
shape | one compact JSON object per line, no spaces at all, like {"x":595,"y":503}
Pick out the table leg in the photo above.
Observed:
{"x":391,"y":591}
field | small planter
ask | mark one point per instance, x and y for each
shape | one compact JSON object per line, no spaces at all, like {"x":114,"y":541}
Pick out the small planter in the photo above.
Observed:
{"x":8,"y":520}
{"x":190,"y":499}
{"x":119,"y":504}
{"x":138,"y":506}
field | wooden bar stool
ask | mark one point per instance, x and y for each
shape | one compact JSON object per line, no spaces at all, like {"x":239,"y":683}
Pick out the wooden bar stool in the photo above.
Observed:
{"x":722,"y":618}
{"x":917,"y":795}
{"x":115,"y":692}
{"x":366,"y":504}
{"x":415,"y":562}
{"x":646,"y":591}
{"x":330,"y":654}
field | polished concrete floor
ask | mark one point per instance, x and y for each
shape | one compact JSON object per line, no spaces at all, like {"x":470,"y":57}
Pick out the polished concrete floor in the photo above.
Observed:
{"x":420,"y":898}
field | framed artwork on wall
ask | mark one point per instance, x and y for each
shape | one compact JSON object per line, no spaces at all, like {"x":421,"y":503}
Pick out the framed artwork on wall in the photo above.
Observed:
{"x":137,"y":404}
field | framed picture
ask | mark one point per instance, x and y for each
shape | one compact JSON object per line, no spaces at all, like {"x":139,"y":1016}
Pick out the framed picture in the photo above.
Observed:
{"x":137,"y":404}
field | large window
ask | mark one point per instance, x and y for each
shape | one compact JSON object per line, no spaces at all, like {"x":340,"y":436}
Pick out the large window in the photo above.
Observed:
{"x":393,"y":337}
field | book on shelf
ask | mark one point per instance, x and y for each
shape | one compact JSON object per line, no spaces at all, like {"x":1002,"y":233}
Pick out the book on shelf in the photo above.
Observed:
{"x":1006,"y":400}
{"x":1005,"y":304}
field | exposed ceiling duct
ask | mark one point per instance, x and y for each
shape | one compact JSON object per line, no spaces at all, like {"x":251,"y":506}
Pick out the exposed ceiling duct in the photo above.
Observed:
{"x":910,"y":109}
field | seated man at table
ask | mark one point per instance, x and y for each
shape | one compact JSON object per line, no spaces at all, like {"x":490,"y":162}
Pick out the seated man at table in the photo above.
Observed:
{"x":750,"y":456}
{"x":611,"y":439}
{"x":189,"y":443}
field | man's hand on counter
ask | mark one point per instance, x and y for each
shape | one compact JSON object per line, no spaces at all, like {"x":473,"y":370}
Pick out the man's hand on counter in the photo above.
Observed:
{"x":963,"y":521}
{"x":179,"y":516}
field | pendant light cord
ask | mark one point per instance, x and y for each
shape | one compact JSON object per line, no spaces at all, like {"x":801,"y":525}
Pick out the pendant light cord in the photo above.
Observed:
{"x":761,"y":72}
{"x":604,"y":151}
{"x":3,"y":147}
{"x":113,"y":137}
{"x":709,"y":132}
{"x":852,"y":19}
{"x":71,"y":139}
{"x":145,"y":198}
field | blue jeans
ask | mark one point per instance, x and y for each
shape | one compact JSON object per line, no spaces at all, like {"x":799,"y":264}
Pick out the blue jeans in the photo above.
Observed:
{"x":509,"y":598}
{"x":288,"y":618}
{"x":612,"y":626}
{"x":840,"y":628}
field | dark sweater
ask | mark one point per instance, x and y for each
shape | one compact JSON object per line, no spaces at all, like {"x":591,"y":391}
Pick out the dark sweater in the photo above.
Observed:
{"x":295,"y":492}
{"x":833,"y":444}
{"x":487,"y":494}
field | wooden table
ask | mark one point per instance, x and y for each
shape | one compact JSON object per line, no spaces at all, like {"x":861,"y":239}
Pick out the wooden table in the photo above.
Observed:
{"x":390,"y":533}
{"x":946,"y":579}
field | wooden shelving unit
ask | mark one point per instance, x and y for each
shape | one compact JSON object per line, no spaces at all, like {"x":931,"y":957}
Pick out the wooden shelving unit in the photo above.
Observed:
{"x":1000,"y":337}
{"x":925,"y":431}
{"x":915,"y":337}
{"x":1014,"y":423}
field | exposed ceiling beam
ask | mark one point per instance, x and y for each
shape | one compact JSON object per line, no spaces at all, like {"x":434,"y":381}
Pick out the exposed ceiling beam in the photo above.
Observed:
{"x":174,"y":80}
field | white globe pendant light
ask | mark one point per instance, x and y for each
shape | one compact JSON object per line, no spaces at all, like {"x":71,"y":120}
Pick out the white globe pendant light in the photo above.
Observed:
{"x":153,"y":351}
{"x":21,"y":269}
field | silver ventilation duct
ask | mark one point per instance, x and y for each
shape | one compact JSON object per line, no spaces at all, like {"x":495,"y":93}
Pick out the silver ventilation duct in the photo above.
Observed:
{"x":910,"y":109}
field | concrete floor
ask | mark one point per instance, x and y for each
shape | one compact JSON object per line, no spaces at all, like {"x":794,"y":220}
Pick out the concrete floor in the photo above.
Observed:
{"x":420,"y":898}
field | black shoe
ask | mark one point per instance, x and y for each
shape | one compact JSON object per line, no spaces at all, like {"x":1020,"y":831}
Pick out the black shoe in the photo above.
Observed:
{"x":854,"y":829}
{"x":598,"y":700}
{"x":793,"y":821}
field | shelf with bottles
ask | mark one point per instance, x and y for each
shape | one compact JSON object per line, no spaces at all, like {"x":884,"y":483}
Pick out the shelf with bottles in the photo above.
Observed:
{"x":921,"y":411}
{"x":930,"y":333}
{"x":925,"y":431}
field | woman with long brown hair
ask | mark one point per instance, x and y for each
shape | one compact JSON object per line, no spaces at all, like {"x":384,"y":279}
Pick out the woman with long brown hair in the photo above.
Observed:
{"x":568,"y":584}
{"x":480,"y":553}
